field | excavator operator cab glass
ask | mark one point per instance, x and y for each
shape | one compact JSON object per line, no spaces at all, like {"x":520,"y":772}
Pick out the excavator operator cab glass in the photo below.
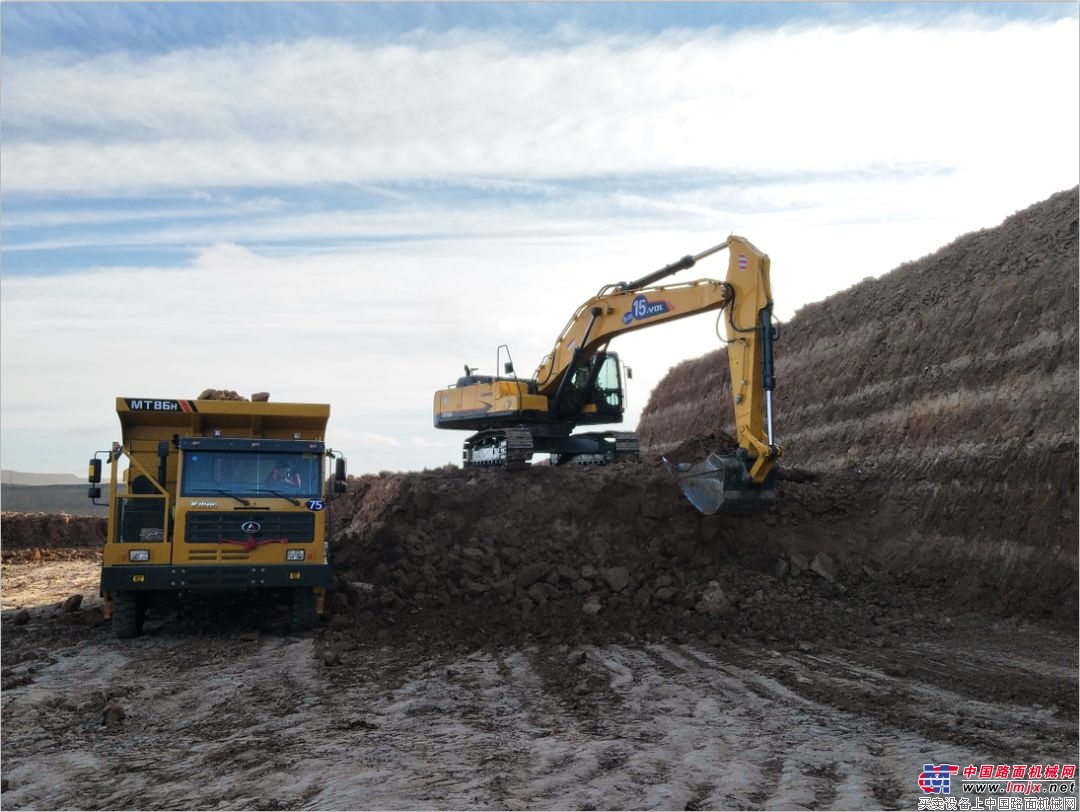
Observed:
{"x":608,"y":389}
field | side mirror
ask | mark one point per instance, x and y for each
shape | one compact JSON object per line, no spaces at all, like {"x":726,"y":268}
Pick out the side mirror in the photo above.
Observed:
{"x":95,"y":471}
{"x":94,"y":492}
{"x":508,"y":368}
{"x":629,"y":373}
{"x":340,"y":478}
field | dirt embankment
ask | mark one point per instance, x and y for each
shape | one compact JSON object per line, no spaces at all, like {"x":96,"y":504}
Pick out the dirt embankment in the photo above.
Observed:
{"x":38,"y":536}
{"x":929,"y":420}
{"x":945,"y":395}
{"x":597,"y":552}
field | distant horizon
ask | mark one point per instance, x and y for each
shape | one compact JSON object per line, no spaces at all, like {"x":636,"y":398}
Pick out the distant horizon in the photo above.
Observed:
{"x":11,"y":477}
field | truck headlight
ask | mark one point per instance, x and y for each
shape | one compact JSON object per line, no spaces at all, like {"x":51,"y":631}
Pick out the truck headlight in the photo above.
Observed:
{"x":138,"y":555}
{"x":294,"y":555}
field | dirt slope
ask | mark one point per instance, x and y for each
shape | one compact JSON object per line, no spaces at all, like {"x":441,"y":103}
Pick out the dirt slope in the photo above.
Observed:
{"x":945,"y":393}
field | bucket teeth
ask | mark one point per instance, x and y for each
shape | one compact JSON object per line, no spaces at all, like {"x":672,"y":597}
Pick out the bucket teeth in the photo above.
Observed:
{"x":722,"y":484}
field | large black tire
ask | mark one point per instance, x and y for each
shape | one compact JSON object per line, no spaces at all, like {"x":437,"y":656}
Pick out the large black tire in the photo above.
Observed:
{"x":127,"y":615}
{"x":302,"y":614}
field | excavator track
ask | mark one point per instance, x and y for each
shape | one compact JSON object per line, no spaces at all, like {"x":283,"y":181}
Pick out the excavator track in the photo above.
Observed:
{"x":508,"y":448}
{"x":617,"y":446}
{"x":627,"y":446}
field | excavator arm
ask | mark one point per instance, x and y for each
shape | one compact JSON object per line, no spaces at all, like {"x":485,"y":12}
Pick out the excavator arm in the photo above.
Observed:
{"x":745,"y":479}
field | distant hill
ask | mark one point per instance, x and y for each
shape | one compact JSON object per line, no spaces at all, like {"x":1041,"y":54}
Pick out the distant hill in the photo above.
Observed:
{"x":70,"y":499}
{"x":9,"y":477}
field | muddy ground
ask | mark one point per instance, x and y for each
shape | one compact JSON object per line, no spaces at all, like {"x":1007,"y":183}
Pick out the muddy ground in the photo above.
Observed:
{"x":224,"y":710}
{"x":584,"y":639}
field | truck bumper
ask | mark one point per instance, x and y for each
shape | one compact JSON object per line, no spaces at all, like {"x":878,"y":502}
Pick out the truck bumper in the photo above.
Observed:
{"x":169,"y":577}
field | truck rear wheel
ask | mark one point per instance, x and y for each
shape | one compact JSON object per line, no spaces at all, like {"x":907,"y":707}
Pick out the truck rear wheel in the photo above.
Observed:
{"x":127,"y":615}
{"x":302,"y":614}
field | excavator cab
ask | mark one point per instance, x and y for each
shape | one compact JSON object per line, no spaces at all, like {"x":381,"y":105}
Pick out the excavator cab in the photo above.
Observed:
{"x":594,"y":391}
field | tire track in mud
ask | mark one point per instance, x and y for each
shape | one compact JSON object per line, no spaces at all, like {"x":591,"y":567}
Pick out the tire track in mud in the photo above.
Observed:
{"x":265,"y":723}
{"x":756,"y":755}
{"x":454,"y":732}
{"x":160,"y":723}
{"x":775,"y":746}
{"x":930,"y":693}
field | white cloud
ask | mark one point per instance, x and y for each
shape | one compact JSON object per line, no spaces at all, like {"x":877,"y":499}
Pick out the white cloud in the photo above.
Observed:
{"x":321,"y":110}
{"x":416,"y":441}
{"x":368,"y":438}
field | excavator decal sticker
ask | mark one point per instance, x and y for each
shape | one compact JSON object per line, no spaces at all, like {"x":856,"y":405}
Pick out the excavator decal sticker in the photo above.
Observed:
{"x":642,"y":308}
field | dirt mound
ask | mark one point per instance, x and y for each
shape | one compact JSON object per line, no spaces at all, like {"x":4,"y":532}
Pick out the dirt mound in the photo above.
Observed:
{"x":35,"y":535}
{"x":598,"y":553}
{"x":695,"y":449}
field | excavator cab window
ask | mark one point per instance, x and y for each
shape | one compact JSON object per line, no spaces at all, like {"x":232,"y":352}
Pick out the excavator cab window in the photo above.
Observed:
{"x":597,"y":383}
{"x":608,"y":389}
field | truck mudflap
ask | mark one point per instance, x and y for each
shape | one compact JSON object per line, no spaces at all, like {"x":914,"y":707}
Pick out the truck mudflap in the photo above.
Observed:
{"x":171,"y":577}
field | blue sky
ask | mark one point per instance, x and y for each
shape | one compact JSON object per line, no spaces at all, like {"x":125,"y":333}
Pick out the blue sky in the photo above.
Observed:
{"x":389,"y":191}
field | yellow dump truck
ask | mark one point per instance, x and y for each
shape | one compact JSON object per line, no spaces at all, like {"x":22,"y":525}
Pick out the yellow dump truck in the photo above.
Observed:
{"x":218,"y":497}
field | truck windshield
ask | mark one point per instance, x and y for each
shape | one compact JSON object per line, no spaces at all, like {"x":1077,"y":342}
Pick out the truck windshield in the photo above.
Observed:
{"x":251,"y":473}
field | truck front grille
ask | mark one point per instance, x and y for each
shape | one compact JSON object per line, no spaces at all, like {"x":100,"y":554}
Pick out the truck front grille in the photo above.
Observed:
{"x":217,"y":553}
{"x":214,"y":527}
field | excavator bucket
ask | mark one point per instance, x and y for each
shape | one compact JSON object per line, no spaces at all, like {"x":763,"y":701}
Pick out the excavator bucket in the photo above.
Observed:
{"x":722,"y":484}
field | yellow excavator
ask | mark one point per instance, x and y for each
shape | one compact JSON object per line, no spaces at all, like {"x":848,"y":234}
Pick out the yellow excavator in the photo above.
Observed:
{"x":581,"y":383}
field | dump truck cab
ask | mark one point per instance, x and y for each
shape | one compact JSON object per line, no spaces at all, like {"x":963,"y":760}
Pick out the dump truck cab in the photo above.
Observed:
{"x":219,"y":497}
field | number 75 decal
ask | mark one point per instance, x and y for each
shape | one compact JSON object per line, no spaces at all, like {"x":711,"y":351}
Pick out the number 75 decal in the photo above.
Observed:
{"x":314,"y":504}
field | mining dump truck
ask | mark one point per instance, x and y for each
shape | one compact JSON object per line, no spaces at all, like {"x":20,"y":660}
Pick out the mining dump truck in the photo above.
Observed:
{"x":219,"y":498}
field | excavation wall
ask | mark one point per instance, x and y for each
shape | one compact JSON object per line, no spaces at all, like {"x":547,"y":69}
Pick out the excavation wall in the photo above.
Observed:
{"x":945,"y":393}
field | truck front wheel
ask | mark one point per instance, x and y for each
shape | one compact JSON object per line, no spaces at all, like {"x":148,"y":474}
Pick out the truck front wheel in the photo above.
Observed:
{"x":302,"y":614}
{"x":127,"y":615}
